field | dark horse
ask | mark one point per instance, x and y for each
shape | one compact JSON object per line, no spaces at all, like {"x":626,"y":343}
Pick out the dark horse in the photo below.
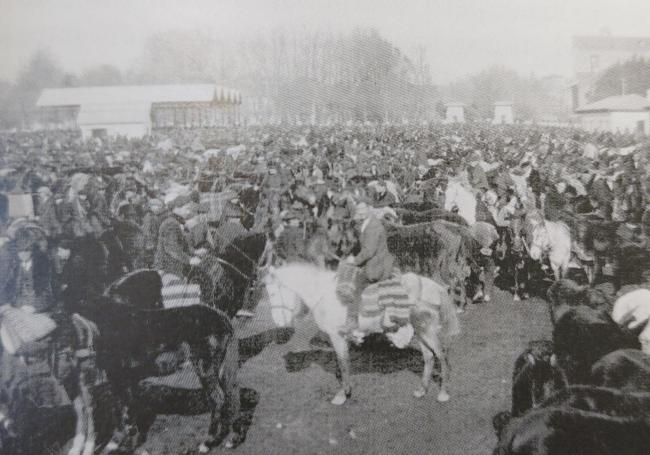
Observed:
{"x":130,"y":334}
{"x":132,"y":330}
{"x":227,"y":276}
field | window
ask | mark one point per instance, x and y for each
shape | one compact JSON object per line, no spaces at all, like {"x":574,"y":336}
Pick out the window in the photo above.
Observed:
{"x":594,"y":62}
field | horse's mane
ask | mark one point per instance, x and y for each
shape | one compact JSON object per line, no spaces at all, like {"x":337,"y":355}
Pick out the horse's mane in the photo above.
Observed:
{"x":244,"y":249}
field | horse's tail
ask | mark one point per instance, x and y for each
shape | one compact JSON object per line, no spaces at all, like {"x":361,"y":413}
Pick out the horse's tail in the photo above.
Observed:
{"x":448,"y":316}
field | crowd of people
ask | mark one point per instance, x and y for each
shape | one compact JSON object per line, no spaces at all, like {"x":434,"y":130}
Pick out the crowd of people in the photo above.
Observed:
{"x":58,"y":189}
{"x":172,"y":199}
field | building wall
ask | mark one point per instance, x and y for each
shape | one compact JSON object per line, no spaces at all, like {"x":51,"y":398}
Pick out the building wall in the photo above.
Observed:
{"x":615,"y":121}
{"x":596,"y":121}
{"x":503,"y":115}
{"x":629,"y":121}
{"x":455,"y":114}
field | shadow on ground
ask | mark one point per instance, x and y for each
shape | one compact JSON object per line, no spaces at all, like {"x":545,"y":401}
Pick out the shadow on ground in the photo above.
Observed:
{"x":375,"y":355}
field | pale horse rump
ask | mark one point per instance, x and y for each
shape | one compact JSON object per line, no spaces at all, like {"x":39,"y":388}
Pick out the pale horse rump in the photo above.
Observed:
{"x":459,"y":196}
{"x":433,"y":317}
{"x":633,"y":311}
{"x":552,"y":239}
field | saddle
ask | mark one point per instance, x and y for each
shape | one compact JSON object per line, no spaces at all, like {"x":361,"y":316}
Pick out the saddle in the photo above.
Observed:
{"x":384,"y":308}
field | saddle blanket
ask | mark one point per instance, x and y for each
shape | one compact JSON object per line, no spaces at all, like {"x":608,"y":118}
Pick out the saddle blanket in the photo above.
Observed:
{"x":19,"y":328}
{"x":176,"y":292}
{"x":389,"y":298}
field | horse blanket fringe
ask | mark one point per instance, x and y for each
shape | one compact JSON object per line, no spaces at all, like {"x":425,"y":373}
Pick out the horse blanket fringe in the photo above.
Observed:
{"x":176,"y":292}
{"x":346,"y":278}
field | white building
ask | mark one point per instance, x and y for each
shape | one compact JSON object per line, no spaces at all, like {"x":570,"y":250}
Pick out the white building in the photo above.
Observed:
{"x":133,"y":111}
{"x":455,"y":113}
{"x":503,"y":113}
{"x":594,"y":54}
{"x":623,"y":113}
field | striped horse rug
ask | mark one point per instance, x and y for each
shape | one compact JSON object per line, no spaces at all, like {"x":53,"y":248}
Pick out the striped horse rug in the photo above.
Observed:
{"x":176,"y":292}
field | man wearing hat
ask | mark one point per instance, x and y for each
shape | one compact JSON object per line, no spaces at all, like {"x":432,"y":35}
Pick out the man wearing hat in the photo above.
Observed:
{"x":173,"y":253}
{"x":374,"y":261}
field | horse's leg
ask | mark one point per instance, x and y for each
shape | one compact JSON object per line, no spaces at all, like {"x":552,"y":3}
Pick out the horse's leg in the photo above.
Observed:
{"x":230,"y":410}
{"x":89,"y":446}
{"x":429,"y":338}
{"x":80,"y":429}
{"x":428,"y":357}
{"x":516,"y":274}
{"x":488,"y":279}
{"x":557,"y":270}
{"x":216,"y":365}
{"x":342,"y":349}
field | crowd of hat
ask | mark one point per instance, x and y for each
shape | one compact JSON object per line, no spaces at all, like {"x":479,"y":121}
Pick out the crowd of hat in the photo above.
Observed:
{"x":295,"y":168}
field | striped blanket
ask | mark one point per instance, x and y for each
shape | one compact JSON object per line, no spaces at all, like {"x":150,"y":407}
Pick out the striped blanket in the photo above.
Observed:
{"x":389,"y":298}
{"x":176,"y":292}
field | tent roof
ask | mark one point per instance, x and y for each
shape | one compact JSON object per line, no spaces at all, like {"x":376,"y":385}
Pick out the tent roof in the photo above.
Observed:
{"x":137,"y":94}
{"x":632,"y":102}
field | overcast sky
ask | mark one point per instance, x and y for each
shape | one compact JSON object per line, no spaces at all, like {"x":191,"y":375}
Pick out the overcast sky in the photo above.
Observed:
{"x":461,"y":36}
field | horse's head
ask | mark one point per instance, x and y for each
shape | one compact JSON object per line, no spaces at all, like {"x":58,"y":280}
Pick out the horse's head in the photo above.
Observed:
{"x":285,"y":304}
{"x":539,"y":242}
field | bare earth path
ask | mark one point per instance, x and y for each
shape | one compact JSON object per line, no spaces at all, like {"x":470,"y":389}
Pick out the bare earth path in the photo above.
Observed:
{"x":295,"y":381}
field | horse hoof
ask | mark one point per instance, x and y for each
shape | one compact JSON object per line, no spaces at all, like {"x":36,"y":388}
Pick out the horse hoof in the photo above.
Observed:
{"x":516,"y":298}
{"x":443,"y":397}
{"x":419,"y":393}
{"x":112,"y":446}
{"x":203,"y":448}
{"x":89,"y":448}
{"x":77,"y":445}
{"x":339,"y":398}
{"x":487,"y":298}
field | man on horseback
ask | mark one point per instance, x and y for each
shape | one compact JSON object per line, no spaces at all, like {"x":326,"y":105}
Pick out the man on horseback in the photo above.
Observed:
{"x":374,"y":261}
{"x":173,"y":254}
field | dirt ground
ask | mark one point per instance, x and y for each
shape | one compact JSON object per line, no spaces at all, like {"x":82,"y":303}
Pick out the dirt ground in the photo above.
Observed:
{"x":293,"y":382}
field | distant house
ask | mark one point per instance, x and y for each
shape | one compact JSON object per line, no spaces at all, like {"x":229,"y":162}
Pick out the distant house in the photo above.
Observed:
{"x":455,"y":113}
{"x":594,"y":54}
{"x":134,"y":111}
{"x":623,"y":113}
{"x":503,"y":113}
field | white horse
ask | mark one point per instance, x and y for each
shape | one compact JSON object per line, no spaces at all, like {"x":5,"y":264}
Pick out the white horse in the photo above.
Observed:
{"x":433,"y":317}
{"x":552,"y":239}
{"x":458,"y":195}
{"x":633,"y":310}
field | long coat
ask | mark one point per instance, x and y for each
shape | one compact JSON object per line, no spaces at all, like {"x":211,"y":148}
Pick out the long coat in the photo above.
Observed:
{"x":374,"y":258}
{"x":173,"y":250}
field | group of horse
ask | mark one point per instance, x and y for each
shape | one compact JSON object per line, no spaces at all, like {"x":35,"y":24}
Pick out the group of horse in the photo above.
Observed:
{"x":587,"y":389}
{"x":114,"y":332}
{"x":115,"y":329}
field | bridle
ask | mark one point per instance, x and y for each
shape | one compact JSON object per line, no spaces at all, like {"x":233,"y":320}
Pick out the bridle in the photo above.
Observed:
{"x":283,"y":305}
